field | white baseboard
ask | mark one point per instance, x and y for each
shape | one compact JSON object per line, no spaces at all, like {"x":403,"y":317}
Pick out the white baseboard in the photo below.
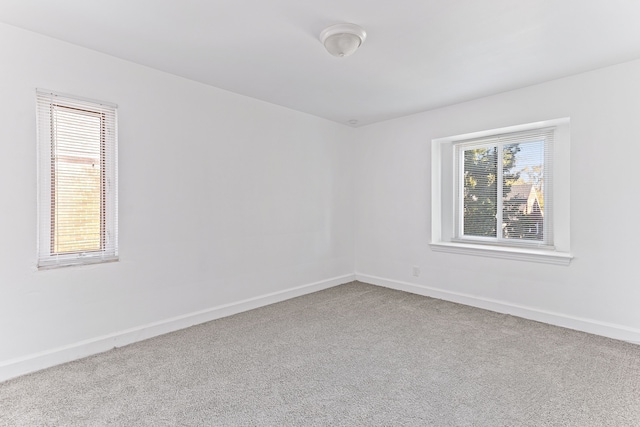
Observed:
{"x":35,"y":362}
{"x":610,"y":330}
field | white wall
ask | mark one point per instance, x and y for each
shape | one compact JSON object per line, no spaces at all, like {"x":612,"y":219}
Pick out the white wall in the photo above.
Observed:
{"x":599,"y":292}
{"x":223,"y":199}
{"x":227,"y":203}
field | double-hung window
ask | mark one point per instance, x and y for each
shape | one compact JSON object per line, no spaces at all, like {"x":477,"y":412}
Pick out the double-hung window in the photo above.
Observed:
{"x":77,"y":182}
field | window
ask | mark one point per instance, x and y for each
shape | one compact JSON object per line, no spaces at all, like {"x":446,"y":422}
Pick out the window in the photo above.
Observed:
{"x":77,"y":156}
{"x":502,"y":182}
{"x":503,"y":193}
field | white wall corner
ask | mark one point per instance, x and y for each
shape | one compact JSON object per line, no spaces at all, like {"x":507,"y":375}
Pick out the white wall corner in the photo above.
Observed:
{"x":46,"y":359}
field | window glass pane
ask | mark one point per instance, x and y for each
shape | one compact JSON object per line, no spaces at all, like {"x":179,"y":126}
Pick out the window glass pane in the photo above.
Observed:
{"x":480,"y":192}
{"x":523,"y":191}
{"x":77,"y":214}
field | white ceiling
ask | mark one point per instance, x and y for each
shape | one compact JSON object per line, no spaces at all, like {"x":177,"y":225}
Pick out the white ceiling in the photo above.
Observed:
{"x":419,"y":54}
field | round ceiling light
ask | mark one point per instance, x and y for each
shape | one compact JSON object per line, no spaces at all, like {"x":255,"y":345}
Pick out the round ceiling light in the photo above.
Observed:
{"x":342,"y":39}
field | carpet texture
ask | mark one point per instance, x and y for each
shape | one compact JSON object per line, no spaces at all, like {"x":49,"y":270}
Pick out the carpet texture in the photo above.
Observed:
{"x":353,"y":355}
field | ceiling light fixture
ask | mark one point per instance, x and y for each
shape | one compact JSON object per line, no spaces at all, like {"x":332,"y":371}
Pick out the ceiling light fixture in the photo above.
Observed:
{"x":342,"y":39}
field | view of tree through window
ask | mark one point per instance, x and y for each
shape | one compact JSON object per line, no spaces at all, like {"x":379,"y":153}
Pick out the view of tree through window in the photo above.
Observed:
{"x":516,"y":172}
{"x":480,"y":191}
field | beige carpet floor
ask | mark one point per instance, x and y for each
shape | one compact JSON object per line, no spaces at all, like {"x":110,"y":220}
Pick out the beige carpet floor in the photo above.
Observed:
{"x":353,"y":355}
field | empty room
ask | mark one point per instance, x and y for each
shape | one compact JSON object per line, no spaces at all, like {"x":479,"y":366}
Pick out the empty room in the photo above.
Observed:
{"x":292,"y":213}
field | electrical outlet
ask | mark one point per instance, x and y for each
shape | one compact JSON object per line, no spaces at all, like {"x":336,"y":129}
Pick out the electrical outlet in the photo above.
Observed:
{"x":416,"y":271}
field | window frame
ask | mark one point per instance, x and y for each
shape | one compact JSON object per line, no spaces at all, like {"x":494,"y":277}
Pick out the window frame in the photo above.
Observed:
{"x":499,"y":141}
{"x":444,"y":198}
{"x":48,"y":104}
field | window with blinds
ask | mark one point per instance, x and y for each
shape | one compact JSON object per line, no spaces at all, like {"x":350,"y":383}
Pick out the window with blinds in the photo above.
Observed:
{"x":77,"y":157}
{"x":504,"y":187}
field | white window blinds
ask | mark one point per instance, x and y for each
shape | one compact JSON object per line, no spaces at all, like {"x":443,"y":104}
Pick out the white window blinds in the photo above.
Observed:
{"x":77,"y":156}
{"x":504,"y":186}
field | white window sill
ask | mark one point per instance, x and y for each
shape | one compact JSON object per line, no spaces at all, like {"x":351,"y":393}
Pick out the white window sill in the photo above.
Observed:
{"x":78,"y":262}
{"x":521,"y":254}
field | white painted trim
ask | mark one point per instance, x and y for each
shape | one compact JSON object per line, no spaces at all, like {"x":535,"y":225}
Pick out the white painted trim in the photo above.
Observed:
{"x":506,"y":129}
{"x":443,"y":200}
{"x":34,"y":362}
{"x":504,"y":252}
{"x":610,"y":330}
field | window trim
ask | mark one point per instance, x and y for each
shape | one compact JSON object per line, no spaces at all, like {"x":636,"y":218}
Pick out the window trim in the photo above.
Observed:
{"x":503,"y":252}
{"x":444,"y":199}
{"x":47,"y":258}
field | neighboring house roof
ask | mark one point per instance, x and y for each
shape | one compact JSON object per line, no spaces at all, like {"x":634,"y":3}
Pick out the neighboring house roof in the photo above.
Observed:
{"x":527,"y":195}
